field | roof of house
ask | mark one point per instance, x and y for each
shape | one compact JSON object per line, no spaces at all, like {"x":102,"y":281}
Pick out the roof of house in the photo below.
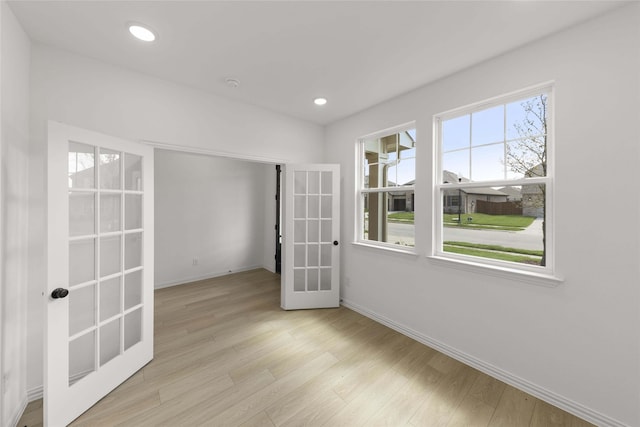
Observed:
{"x":513,"y":192}
{"x":450,"y":177}
{"x":532,"y":189}
{"x":485,"y":191}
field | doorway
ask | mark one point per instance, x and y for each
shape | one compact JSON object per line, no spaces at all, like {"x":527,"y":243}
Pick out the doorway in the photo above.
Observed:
{"x":214,"y":216}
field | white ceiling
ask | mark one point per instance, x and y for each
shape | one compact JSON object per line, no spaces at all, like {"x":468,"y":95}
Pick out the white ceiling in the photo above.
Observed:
{"x":284,"y":54}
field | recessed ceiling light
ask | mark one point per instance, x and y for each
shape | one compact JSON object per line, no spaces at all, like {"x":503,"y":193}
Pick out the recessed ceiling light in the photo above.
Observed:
{"x":320,"y":101}
{"x":141,"y":33}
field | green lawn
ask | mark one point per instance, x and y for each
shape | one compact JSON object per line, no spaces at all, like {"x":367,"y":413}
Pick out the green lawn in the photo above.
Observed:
{"x":493,"y":222}
{"x":495,"y":248}
{"x":494,"y":252}
{"x":503,"y":256}
{"x":478,"y":220}
{"x":401,"y":217}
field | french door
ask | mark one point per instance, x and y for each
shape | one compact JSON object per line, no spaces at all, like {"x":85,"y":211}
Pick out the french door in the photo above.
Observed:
{"x":311,"y":252}
{"x":99,"y":297}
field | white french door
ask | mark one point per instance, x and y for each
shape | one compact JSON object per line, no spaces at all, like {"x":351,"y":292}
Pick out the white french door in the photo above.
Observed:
{"x":99,"y":297}
{"x":311,"y":251}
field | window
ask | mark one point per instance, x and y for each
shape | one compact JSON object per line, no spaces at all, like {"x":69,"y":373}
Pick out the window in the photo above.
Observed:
{"x":494,"y":180}
{"x":451,"y":201}
{"x":386,"y":184}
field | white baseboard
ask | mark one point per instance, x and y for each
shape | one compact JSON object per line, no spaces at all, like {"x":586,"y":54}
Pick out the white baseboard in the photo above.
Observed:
{"x":35,"y":393}
{"x":190,"y":279}
{"x":269,"y":268}
{"x":493,"y":371}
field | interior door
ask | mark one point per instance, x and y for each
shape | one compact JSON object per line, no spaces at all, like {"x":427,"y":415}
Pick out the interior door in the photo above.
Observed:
{"x":311,"y":249}
{"x":99,"y":298}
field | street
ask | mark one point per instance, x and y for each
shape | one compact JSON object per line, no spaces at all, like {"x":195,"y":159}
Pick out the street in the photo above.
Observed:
{"x":531,"y":238}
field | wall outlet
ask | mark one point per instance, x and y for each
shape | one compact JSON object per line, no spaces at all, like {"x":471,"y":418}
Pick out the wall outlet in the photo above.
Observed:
{"x":195,"y":261}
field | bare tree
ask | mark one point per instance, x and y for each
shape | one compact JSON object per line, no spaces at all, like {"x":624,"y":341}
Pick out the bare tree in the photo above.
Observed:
{"x":527,"y":156}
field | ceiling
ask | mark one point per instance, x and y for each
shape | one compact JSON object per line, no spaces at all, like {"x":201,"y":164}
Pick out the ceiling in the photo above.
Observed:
{"x":356,"y":54}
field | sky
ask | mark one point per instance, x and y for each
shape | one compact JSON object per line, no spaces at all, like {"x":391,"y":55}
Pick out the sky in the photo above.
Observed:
{"x":474,"y":145}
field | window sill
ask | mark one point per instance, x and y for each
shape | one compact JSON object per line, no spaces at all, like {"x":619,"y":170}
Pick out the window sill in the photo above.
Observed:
{"x":386,"y":248}
{"x":531,"y":277}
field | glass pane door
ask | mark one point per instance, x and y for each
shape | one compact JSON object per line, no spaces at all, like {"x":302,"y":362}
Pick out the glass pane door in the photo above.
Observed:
{"x":99,"y":307}
{"x":105,"y":256}
{"x":311,"y":236}
{"x":312,"y":231}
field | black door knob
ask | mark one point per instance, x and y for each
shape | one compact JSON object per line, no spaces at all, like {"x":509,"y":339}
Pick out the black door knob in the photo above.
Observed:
{"x":335,"y":243}
{"x":59,"y":293}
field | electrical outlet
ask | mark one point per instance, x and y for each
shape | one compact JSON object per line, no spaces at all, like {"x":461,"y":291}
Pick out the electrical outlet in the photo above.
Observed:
{"x":195,"y":261}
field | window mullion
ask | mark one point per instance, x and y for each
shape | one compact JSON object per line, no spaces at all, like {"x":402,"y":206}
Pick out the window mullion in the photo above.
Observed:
{"x":504,"y":147}
{"x":470,"y":146}
{"x":388,"y":189}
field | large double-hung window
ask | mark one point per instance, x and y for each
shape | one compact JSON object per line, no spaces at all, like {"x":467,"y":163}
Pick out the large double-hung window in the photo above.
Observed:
{"x":386,"y":187}
{"x":494,"y":180}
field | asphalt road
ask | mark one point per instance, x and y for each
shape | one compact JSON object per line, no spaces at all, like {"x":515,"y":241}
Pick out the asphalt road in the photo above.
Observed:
{"x":531,"y":238}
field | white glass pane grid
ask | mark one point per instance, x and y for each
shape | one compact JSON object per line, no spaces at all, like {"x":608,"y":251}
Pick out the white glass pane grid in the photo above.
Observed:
{"x":312,"y":232}
{"x":474,"y":146}
{"x":509,"y":112}
{"x":466,"y":150}
{"x":400,"y":164}
{"x":408,"y":170}
{"x":103,"y":328}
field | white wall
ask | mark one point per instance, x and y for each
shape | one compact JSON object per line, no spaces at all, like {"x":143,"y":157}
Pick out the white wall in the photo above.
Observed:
{"x":577,"y":344}
{"x":211,"y":209}
{"x":13,"y":232}
{"x":90,"y":94}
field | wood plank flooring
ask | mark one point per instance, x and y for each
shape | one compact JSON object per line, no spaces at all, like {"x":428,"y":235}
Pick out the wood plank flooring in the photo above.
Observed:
{"x":227,"y":355}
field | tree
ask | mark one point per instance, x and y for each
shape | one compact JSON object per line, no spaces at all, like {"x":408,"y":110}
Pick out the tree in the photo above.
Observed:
{"x":527,"y":155}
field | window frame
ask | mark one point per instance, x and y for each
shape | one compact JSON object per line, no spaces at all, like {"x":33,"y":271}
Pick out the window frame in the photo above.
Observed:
{"x":546,"y":273}
{"x":360,"y":190}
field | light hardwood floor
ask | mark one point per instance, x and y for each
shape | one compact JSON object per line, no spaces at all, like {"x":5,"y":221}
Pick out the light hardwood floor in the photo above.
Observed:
{"x":227,"y":355}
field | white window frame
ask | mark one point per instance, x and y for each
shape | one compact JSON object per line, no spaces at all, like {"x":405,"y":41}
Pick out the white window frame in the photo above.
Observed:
{"x":539,"y":274}
{"x":361,"y":190}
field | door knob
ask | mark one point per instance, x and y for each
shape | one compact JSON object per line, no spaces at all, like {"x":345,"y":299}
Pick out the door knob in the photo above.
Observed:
{"x":59,"y":293}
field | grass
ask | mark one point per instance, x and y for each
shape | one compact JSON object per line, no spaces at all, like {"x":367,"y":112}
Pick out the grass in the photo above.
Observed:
{"x":494,"y":222}
{"x":407,"y":217}
{"x":495,"y":248}
{"x":478,"y":220}
{"x":503,"y":256}
{"x":483,"y":221}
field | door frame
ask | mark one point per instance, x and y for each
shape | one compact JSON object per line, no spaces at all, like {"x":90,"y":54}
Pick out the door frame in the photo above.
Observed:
{"x":274,"y":161}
